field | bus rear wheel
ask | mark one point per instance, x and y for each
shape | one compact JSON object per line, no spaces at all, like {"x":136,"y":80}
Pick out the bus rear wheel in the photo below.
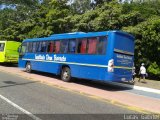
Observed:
{"x":28,"y":67}
{"x":66,"y":74}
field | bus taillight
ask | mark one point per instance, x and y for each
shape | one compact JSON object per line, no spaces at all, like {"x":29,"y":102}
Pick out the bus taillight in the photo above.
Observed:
{"x":111,"y":65}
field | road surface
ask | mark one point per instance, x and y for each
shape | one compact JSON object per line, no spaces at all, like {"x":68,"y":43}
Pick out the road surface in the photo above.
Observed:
{"x":33,"y":99}
{"x":40,"y":95}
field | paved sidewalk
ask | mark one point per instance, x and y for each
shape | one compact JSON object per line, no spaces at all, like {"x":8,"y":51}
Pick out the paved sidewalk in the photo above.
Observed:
{"x":119,"y":97}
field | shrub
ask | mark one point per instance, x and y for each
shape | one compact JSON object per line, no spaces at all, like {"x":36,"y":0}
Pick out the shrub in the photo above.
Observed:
{"x":154,"y":70}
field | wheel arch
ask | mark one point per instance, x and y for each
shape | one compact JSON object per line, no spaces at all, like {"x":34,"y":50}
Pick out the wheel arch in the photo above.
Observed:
{"x":28,"y":69}
{"x":66,"y":76}
{"x":63,"y":66}
{"x":27,"y":62}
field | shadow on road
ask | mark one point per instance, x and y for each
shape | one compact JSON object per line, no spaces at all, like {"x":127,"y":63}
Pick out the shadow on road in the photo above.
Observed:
{"x":89,"y":83}
{"x":12,"y":83}
{"x":9,"y":64}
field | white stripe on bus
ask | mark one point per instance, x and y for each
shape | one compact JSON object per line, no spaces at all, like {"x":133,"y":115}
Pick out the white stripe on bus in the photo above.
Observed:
{"x":73,"y":63}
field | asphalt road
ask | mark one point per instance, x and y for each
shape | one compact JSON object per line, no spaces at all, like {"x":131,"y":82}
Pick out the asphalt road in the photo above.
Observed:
{"x":34,"y":100}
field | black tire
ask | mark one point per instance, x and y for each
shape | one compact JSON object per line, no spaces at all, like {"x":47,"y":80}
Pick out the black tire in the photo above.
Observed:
{"x":66,"y":74}
{"x":28,"y":67}
{"x":132,"y":82}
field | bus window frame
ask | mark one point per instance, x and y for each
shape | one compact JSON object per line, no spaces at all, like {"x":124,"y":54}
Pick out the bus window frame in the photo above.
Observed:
{"x":20,"y":53}
{"x":69,"y":52}
{"x":88,"y":45}
{"x":61,"y":46}
{"x":30,"y":49}
{"x":106,"y":45}
{"x":49,"y":41}
{"x":41,"y":42}
{"x":36,"y":46}
{"x":78,"y":39}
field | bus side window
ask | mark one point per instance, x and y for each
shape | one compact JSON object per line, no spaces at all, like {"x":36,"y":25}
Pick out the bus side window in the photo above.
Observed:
{"x":82,"y":46}
{"x":29,"y":47}
{"x":64,"y":46}
{"x":101,"y":47}
{"x":92,"y":45}
{"x":72,"y":45}
{"x":51,"y":47}
{"x":43,"y":46}
{"x":57,"y":46}
{"x":39,"y":47}
{"x":34,"y":47}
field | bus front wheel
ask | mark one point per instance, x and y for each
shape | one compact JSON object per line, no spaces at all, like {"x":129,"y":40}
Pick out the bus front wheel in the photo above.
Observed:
{"x":28,"y":67}
{"x":66,"y":74}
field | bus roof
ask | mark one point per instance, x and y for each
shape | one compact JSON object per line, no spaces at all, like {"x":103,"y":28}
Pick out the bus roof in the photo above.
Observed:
{"x":64,"y":34}
{"x":2,"y":41}
{"x":76,"y":35}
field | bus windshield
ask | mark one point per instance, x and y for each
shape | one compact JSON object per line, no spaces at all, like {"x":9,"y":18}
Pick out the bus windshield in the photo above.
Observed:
{"x":2,"y":47}
{"x":23,"y":49}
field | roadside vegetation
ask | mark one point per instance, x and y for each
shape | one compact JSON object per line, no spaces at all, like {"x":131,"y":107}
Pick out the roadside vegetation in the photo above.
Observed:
{"x":21,"y":19}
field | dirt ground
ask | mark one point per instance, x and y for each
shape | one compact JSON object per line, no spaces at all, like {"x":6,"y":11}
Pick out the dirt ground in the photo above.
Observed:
{"x":149,"y":83}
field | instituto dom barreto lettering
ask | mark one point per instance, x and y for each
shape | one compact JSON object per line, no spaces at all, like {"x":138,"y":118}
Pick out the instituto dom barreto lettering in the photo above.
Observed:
{"x":50,"y":58}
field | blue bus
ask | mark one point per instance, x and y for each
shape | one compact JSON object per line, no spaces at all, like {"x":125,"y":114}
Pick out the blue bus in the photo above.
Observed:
{"x":101,"y":56}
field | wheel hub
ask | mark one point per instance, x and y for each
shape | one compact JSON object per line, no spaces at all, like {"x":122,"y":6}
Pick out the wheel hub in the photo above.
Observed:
{"x":65,"y":74}
{"x":28,"y":67}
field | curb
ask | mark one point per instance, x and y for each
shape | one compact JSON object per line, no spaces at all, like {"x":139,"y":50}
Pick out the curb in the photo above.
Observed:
{"x":136,"y":87}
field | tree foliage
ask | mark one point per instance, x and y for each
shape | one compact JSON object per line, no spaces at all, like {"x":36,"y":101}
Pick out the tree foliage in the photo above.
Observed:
{"x":31,"y":18}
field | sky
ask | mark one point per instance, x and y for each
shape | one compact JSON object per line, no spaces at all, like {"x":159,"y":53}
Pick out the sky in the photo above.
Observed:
{"x":3,"y":6}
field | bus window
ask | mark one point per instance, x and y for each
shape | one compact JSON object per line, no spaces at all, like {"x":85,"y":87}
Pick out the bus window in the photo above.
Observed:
{"x":23,"y":48}
{"x":57,"y":46}
{"x":50,"y":48}
{"x":64,"y":46}
{"x":39,"y":47}
{"x":34,"y":47}
{"x":29,"y":47}
{"x":2,"y":47}
{"x":72,"y":46}
{"x":92,"y":44}
{"x":42,"y":47}
{"x":82,"y":45}
{"x":102,"y":45}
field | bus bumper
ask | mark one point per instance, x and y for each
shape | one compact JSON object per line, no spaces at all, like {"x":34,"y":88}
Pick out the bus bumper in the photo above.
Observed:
{"x":118,"y":78}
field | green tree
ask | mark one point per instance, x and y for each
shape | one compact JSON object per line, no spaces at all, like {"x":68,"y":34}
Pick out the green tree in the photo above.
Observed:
{"x":81,"y":6}
{"x":27,"y":19}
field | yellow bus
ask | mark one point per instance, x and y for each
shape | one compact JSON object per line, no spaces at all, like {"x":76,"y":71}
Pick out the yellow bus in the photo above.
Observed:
{"x":9,"y":51}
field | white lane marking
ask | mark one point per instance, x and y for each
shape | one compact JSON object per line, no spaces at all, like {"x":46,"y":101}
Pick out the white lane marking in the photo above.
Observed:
{"x":20,"y":108}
